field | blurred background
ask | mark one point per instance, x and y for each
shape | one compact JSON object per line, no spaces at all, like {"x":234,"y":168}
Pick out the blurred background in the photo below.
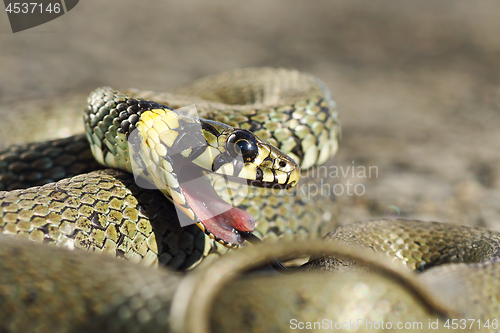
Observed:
{"x":417,"y":84}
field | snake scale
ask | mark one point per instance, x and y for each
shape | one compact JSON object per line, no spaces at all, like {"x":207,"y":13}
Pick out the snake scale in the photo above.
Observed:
{"x":253,"y":127}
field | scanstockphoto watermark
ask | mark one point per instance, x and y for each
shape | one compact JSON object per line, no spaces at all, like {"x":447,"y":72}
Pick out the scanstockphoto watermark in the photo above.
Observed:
{"x":327,"y":324}
{"x":431,"y":324}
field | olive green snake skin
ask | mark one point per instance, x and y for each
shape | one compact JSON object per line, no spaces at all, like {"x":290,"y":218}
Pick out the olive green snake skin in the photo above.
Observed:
{"x":49,"y":289}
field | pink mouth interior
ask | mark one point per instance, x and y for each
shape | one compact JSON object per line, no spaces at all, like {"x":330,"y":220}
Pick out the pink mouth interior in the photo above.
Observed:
{"x":220,"y":218}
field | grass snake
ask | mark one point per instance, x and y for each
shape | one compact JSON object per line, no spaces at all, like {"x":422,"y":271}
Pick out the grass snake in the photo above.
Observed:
{"x":253,"y":127}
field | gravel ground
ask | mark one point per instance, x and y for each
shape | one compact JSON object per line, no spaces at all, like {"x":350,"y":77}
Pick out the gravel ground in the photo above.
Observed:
{"x":417,"y":83}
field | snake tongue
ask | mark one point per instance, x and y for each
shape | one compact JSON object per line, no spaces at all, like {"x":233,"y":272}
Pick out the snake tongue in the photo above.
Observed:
{"x":219,"y":218}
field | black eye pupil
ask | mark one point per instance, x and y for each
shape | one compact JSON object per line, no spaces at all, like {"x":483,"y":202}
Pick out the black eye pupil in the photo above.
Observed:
{"x":282,"y":164}
{"x":244,"y":147}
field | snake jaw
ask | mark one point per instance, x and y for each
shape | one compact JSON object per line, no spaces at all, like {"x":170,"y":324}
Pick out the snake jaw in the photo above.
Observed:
{"x":217,"y":218}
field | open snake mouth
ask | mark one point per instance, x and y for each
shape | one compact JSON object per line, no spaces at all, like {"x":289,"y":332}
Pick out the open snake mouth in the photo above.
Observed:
{"x":217,"y":218}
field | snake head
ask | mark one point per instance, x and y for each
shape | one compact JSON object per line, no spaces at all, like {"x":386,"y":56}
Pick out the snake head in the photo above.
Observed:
{"x":181,"y":154}
{"x":237,"y":155}
{"x":241,"y":155}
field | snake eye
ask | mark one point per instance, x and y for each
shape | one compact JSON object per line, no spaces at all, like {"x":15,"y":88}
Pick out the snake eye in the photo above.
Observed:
{"x":242,"y":143}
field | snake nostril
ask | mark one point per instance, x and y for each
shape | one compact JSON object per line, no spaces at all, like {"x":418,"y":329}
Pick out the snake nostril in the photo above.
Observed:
{"x":282,"y":164}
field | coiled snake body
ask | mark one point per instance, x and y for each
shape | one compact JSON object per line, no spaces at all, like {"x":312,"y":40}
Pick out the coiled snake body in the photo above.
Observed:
{"x":255,"y":126}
